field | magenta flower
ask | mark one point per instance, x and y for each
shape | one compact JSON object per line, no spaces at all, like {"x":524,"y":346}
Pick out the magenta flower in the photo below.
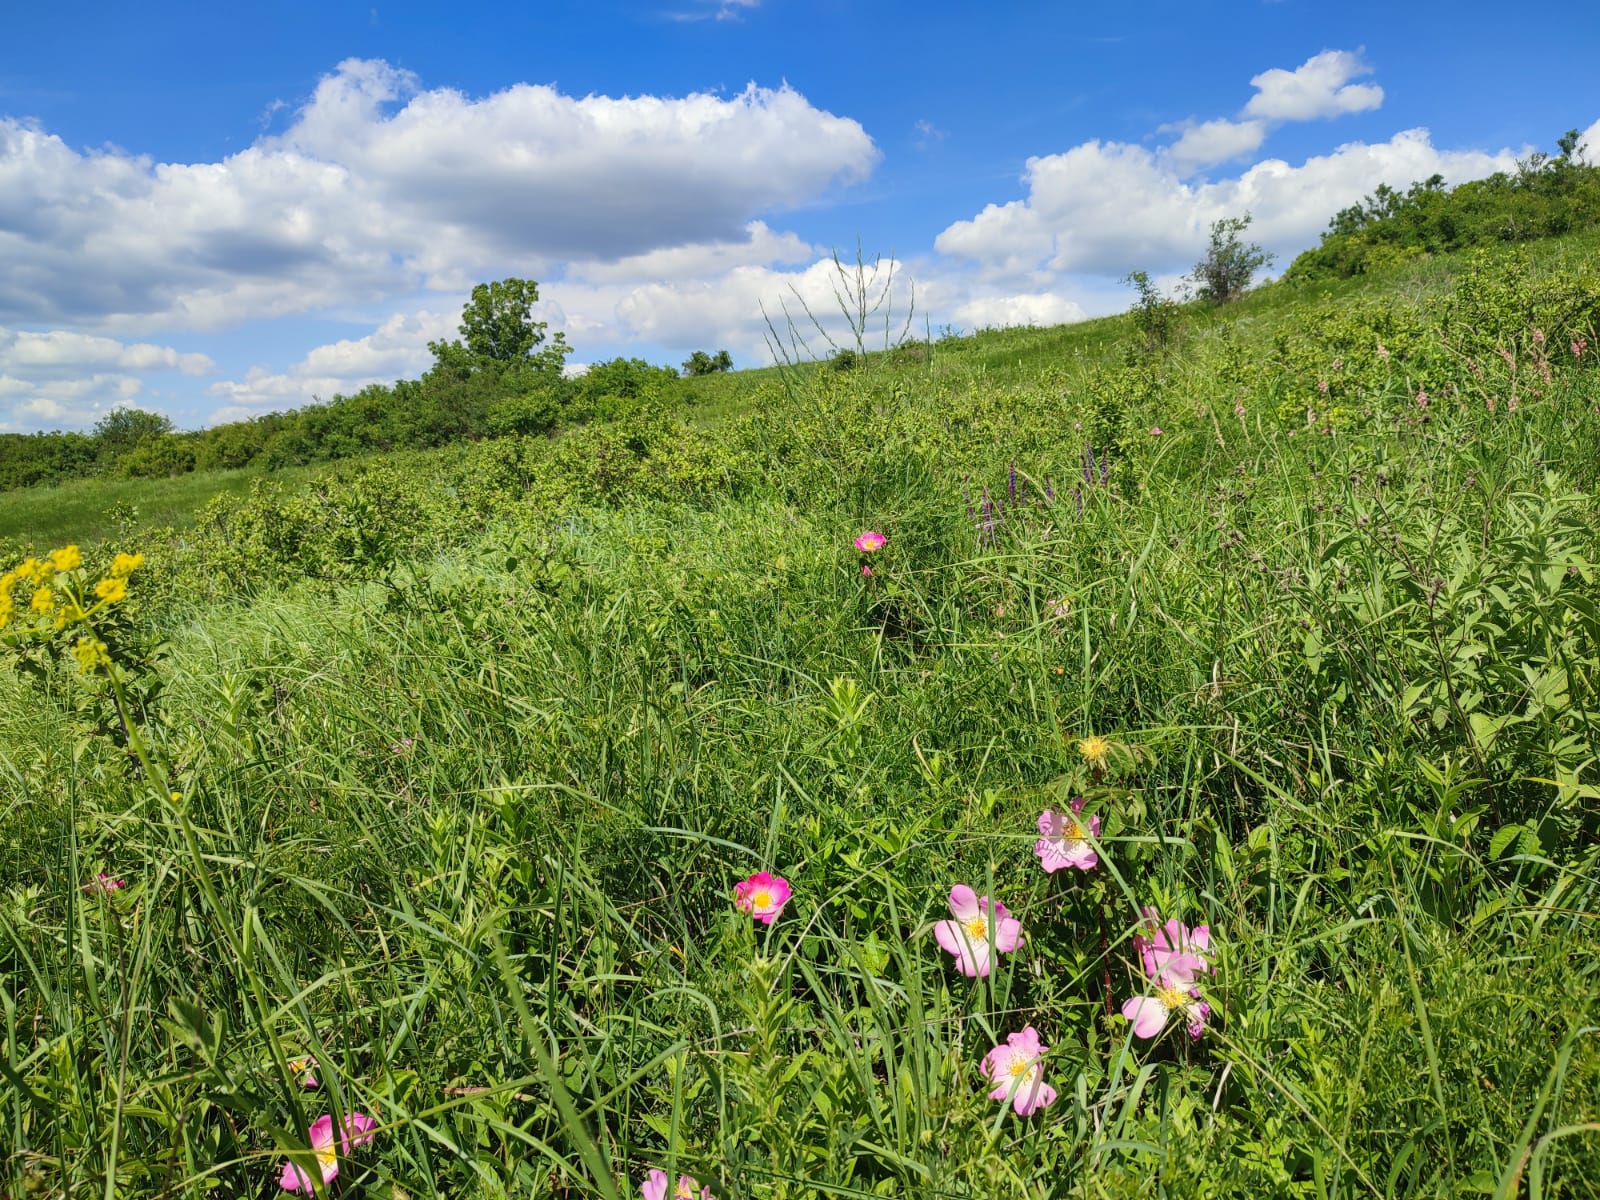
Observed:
{"x":305,"y":1068}
{"x":762,"y":896}
{"x":865,"y":570}
{"x":654,"y":1187}
{"x":1172,"y":949}
{"x":978,"y":932}
{"x":356,"y":1131}
{"x":1015,"y":1067}
{"x":104,"y":883}
{"x":870,"y":541}
{"x":1156,"y":431}
{"x":1066,"y":839}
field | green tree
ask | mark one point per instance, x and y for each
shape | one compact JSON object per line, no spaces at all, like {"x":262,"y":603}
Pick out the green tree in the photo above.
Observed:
{"x":122,"y":429}
{"x":1154,"y":315}
{"x":497,"y":328}
{"x":701,"y":363}
{"x":1225,"y":272}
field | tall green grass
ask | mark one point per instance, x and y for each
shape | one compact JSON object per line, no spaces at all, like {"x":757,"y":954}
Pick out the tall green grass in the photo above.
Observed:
{"x":460,"y":814}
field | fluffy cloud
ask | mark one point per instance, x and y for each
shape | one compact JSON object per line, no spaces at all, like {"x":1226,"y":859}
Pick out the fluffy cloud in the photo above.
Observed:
{"x":63,"y":349}
{"x":378,"y":187}
{"x":396,"y":349}
{"x":62,"y":378}
{"x":1319,"y":87}
{"x":1589,"y":144}
{"x":1107,"y":207}
{"x":1032,"y":308}
{"x":27,"y":405}
{"x":1208,"y":142}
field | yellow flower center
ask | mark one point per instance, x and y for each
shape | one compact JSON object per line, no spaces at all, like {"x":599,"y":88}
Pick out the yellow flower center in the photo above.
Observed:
{"x":1173,"y":998}
{"x":327,"y":1158}
{"x":1094,"y":748}
{"x":684,"y":1191}
{"x":761,"y":898}
{"x":978,"y":929}
{"x":1019,"y":1066}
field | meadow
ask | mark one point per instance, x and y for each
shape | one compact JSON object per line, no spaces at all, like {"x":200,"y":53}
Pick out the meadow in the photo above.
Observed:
{"x":1190,"y":791}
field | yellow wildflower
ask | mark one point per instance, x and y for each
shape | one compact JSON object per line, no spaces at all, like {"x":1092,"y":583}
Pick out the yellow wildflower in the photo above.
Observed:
{"x":69,"y":613}
{"x":67,"y":558}
{"x":1094,"y":748}
{"x":90,"y":654}
{"x":35,"y":571}
{"x":43,"y":600}
{"x":126,"y":564}
{"x":111,"y":590}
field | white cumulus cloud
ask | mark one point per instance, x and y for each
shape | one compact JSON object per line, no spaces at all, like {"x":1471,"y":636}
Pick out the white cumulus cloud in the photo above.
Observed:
{"x":1205,"y":143}
{"x":396,"y":349}
{"x":1318,"y":87}
{"x":378,"y":186}
{"x":1105,"y":208}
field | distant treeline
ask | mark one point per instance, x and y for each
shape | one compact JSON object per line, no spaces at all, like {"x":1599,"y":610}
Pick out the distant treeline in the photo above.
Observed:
{"x":1546,"y":197}
{"x":501,"y":378}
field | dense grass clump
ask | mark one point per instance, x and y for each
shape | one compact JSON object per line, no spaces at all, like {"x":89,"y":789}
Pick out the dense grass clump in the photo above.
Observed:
{"x":442,"y":772}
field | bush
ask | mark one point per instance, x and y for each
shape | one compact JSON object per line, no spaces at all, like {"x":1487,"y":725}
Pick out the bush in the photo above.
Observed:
{"x":1224,"y":274}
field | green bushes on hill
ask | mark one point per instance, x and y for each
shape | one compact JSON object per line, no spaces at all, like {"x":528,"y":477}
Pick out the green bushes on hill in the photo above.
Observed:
{"x":499,"y":379}
{"x":1546,"y":197}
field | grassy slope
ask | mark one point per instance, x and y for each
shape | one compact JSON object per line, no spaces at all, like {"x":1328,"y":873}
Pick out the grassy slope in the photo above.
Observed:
{"x":498,"y":803}
{"x":82,"y":510}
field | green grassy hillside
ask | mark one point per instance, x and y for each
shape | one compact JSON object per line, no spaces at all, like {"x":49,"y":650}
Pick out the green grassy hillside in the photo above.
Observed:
{"x":448,"y":770}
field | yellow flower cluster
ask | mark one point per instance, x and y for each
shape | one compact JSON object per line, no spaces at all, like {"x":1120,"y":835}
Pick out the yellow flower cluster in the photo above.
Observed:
{"x":57,"y":597}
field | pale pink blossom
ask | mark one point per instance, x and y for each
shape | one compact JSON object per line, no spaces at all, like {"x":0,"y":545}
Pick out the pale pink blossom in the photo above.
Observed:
{"x":1150,"y":1014}
{"x":1067,"y":840}
{"x":1155,"y":431}
{"x":978,"y":932}
{"x":869,"y":541}
{"x":866,"y":571}
{"x":762,"y":896}
{"x":1172,"y":950}
{"x":356,"y":1131}
{"x":654,"y":1187}
{"x":1015,"y":1067}
{"x":105,"y":883}
{"x":1172,"y":956}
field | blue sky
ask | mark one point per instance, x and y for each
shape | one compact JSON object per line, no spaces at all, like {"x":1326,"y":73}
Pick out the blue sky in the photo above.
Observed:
{"x":220,"y":210}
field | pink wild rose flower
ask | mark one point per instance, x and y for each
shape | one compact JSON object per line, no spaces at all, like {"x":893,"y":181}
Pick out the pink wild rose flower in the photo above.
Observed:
{"x":1172,"y":949}
{"x":871,"y":540}
{"x":654,"y":1187}
{"x":978,"y":931}
{"x":105,"y":883}
{"x":357,"y":1131}
{"x":1015,"y":1067}
{"x":1066,"y":839}
{"x":762,"y":896}
{"x":1172,"y":996}
{"x":304,"y":1069}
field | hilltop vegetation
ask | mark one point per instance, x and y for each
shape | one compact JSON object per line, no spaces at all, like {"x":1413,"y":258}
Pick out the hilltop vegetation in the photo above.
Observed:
{"x":1547,"y":197}
{"x":443,"y":767}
